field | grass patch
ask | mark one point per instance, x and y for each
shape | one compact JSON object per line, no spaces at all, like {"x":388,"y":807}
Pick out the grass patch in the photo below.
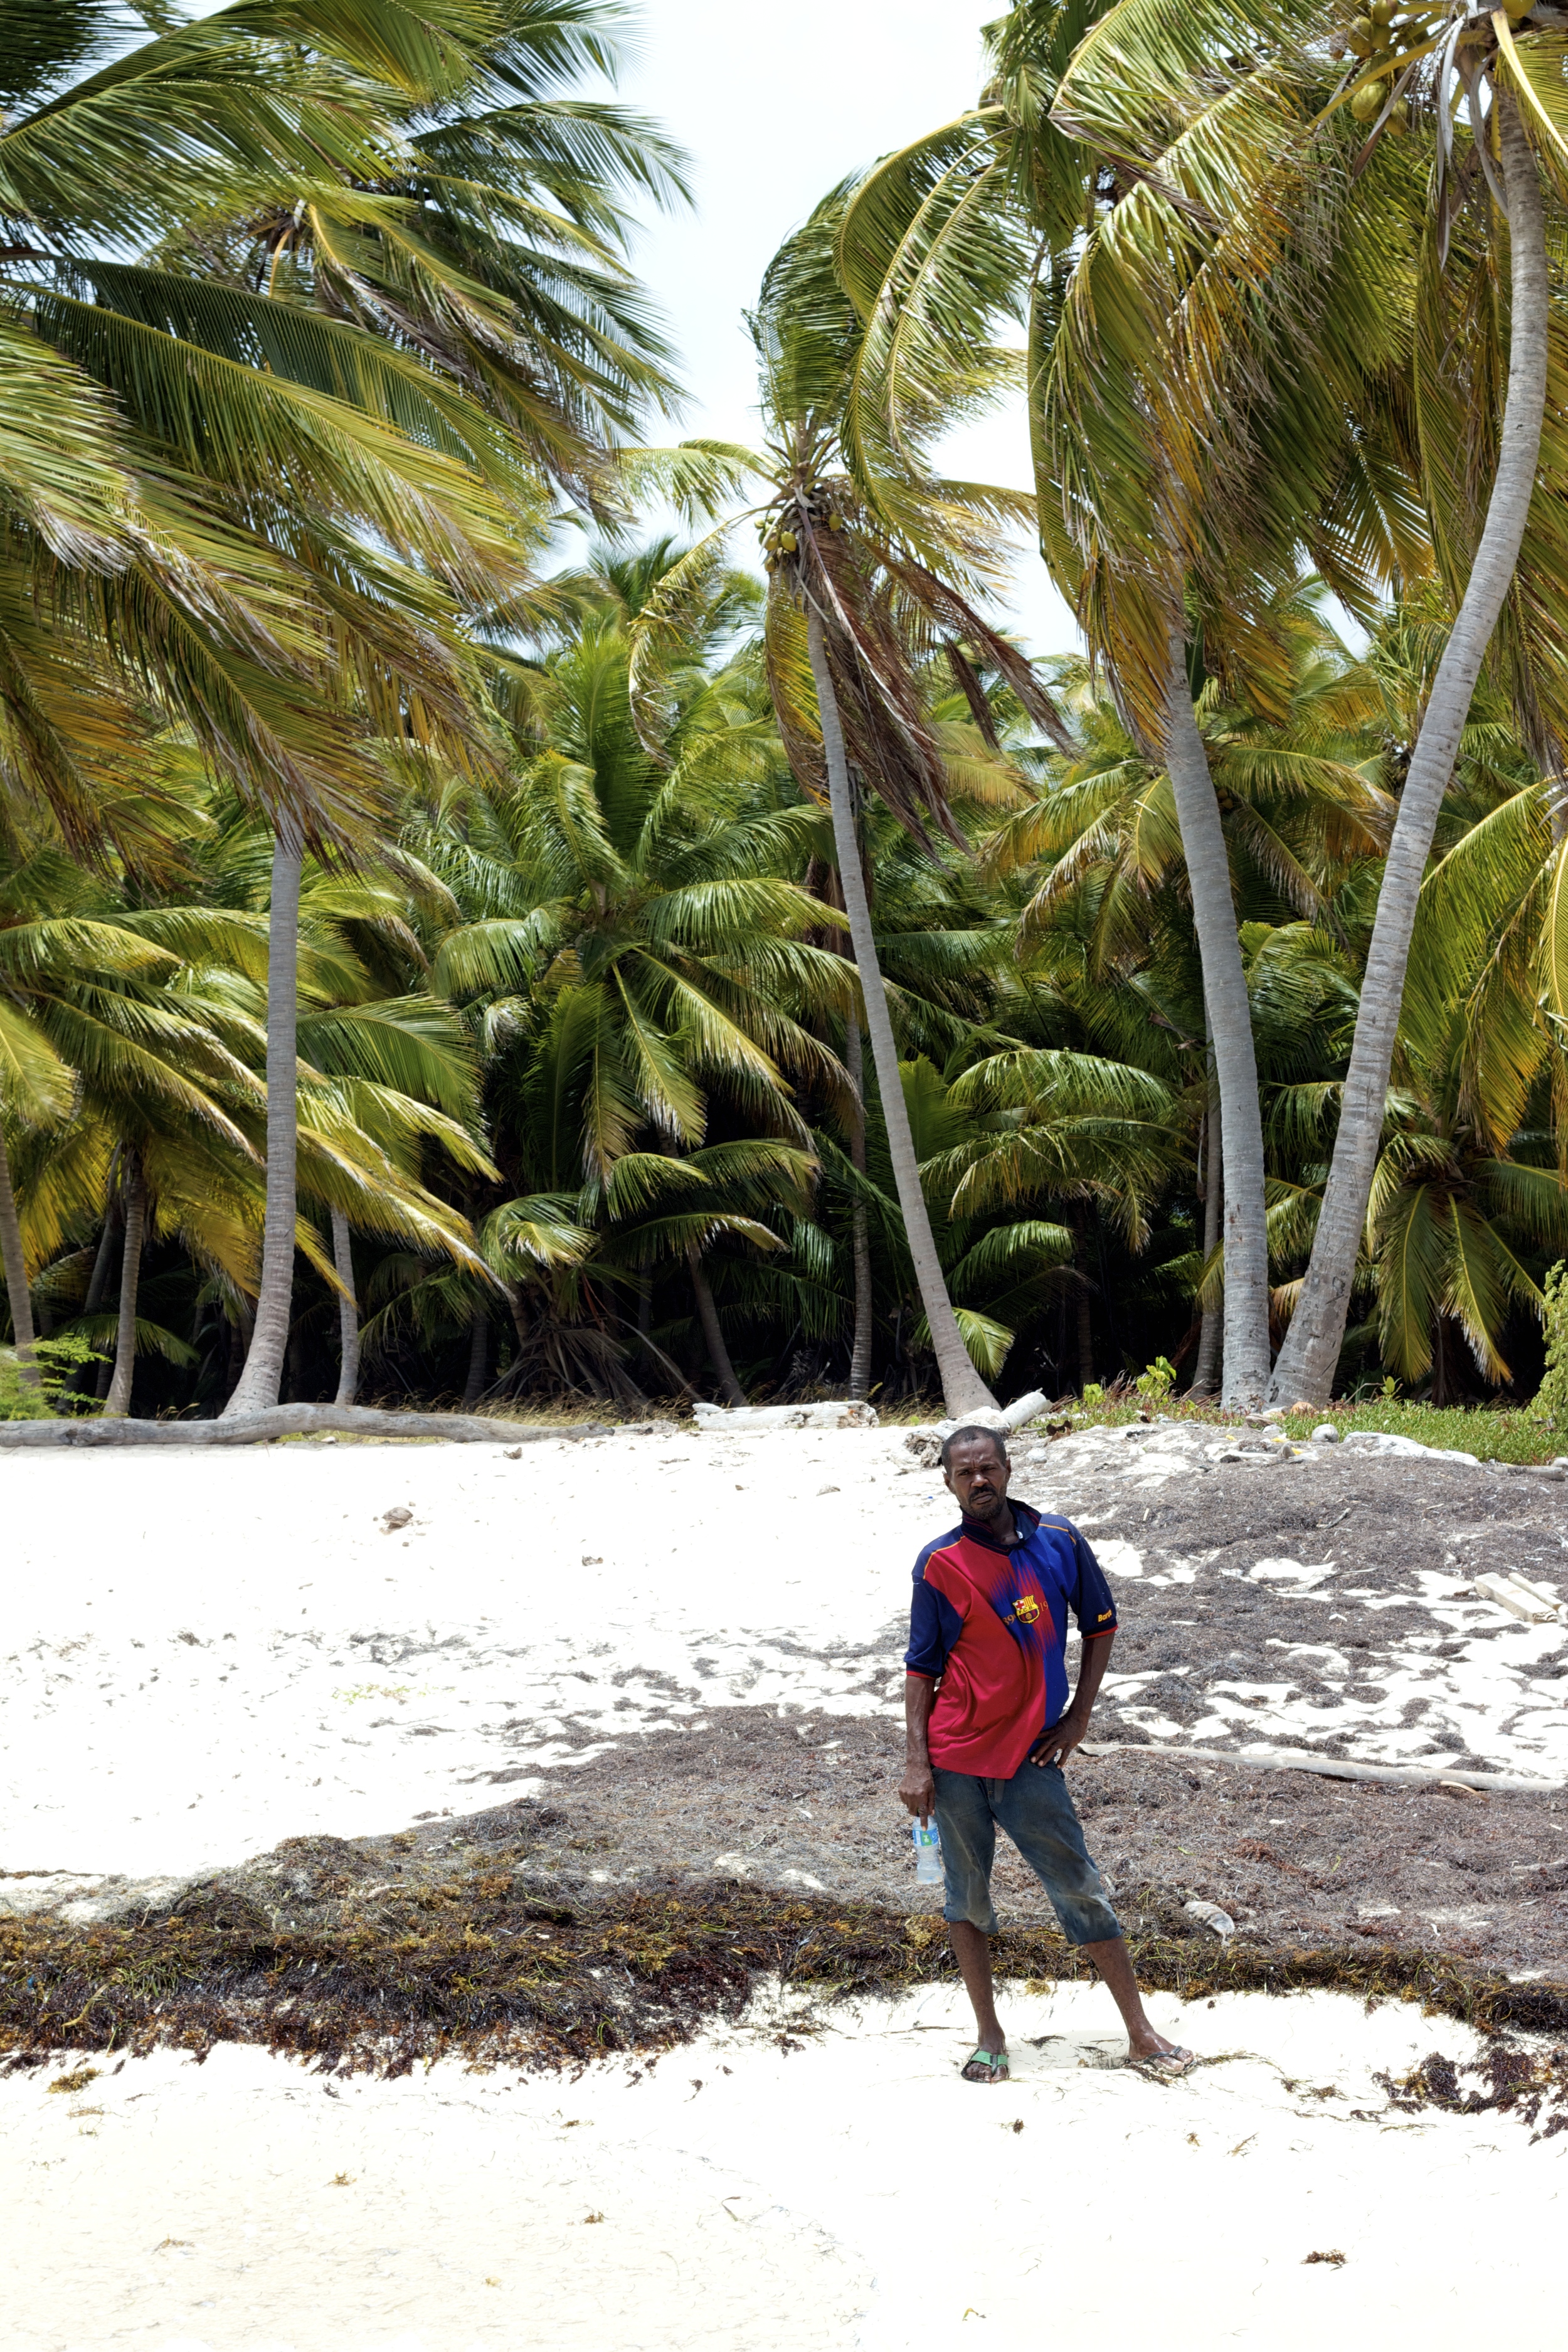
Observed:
{"x":1492,"y":1435}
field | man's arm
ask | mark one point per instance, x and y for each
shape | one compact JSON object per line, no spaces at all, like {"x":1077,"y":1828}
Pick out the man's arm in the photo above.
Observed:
{"x":1057,"y":1745}
{"x":917,"y":1788}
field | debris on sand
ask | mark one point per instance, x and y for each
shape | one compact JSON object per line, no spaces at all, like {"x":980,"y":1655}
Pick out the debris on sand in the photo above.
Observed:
{"x":481,"y":1964}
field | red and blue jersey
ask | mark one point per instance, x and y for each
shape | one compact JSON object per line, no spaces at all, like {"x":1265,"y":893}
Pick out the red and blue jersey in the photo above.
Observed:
{"x":990,"y":1625}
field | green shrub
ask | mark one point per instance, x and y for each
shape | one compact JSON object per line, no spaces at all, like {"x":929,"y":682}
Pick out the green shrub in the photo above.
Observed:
{"x":1551,"y":1402}
{"x":58,"y":1362}
{"x":1155,"y":1384}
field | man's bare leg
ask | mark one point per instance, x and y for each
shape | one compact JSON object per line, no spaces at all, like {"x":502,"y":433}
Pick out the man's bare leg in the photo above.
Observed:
{"x":972,"y":1950}
{"x":1115,"y":1965}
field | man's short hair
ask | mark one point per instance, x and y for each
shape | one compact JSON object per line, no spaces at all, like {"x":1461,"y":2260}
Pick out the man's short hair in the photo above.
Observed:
{"x":970,"y":1429}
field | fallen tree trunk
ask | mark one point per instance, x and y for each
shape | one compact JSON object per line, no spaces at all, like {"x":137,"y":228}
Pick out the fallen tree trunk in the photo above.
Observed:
{"x":712,"y":1417}
{"x":1335,"y":1767}
{"x":288,"y":1421}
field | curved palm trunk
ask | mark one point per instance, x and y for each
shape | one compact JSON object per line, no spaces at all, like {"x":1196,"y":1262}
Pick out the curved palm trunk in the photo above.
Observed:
{"x":520,"y":1332}
{"x":1205,"y":1380}
{"x":729,"y":1388}
{"x":103,"y":1258}
{"x":1311,"y":1355}
{"x":961,"y":1385}
{"x":1236,"y":1063}
{"x":861,"y":1352}
{"x":16,"y":1266}
{"x":260,"y":1381}
{"x":348,"y":1311}
{"x":118,"y":1402}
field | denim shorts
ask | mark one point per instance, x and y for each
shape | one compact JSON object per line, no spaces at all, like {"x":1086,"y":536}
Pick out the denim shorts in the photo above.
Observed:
{"x":1037,"y":1812}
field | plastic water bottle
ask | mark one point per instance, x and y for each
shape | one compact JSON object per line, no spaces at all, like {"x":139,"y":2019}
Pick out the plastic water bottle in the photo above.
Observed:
{"x":928,"y":1851}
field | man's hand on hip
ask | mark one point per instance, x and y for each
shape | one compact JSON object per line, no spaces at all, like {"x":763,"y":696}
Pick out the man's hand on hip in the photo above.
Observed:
{"x":1057,"y":1745}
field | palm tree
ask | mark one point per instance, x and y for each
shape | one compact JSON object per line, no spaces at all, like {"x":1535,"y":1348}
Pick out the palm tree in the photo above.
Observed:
{"x":1503,"y":70}
{"x":382,"y":1075}
{"x":35,"y":1089}
{"x":1018,"y":1131}
{"x":853,"y":606}
{"x":626,"y":938}
{"x":203,"y":515}
{"x":260,"y":1380}
{"x":1142,"y":70}
{"x":143,"y":1025}
{"x":1212,"y":385}
{"x":488,"y":244}
{"x":1452,"y":1229}
{"x":1095,"y":860}
{"x":348,"y":1313}
{"x":1466,"y":1204}
{"x":294,"y":509}
{"x":984,"y":216}
{"x":437,"y":316}
{"x":683,"y":1206}
{"x":133,"y":1065}
{"x":1297,"y":778}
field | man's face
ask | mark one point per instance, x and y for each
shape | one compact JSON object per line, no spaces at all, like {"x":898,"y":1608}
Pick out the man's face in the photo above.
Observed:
{"x":977,"y":1473}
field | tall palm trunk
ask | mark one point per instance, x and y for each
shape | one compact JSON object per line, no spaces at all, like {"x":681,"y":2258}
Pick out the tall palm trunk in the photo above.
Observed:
{"x":861,"y":1352}
{"x":1205,"y":1380}
{"x":961,"y":1385}
{"x":729,"y":1388}
{"x":348,"y":1311}
{"x":478,"y":1357}
{"x":103,"y":1256}
{"x":1311,"y":1355}
{"x":262,"y":1376}
{"x":98,"y":1284}
{"x":118,"y":1402}
{"x":1236,"y":1063}
{"x":15,"y":1265}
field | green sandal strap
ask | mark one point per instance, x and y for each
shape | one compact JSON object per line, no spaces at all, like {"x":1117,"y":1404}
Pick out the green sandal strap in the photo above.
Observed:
{"x":995,"y":2063}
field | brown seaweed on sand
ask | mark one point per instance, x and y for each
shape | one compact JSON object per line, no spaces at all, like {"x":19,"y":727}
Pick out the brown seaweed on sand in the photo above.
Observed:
{"x":477,"y":1965}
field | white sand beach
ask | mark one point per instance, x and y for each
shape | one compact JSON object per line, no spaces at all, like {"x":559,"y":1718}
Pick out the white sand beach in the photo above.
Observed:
{"x":848,"y":2192}
{"x":206,"y":1654}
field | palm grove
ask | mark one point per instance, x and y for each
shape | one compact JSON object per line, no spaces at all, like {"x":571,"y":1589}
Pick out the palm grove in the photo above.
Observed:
{"x":463,"y":940}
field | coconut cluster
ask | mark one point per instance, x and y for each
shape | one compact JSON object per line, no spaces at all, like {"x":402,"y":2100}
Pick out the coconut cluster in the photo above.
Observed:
{"x":1387,"y":36}
{"x":1384,"y":37}
{"x":780,"y":539}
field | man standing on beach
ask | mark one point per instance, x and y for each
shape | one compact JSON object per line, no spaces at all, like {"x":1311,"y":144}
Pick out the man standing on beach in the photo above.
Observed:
{"x":989,"y":1727}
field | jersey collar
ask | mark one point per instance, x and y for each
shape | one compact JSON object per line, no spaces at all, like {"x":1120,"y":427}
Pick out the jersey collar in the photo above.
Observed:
{"x":1025,"y":1518}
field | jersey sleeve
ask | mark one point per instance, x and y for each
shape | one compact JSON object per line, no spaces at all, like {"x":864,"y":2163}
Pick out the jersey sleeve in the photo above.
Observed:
{"x":934,"y":1626}
{"x":1090,"y":1598}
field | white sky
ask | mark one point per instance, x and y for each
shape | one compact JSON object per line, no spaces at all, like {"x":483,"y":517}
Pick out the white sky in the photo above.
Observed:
{"x":774,"y":104}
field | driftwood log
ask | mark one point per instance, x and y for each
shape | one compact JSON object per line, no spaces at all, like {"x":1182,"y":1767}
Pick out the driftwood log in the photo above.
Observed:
{"x":288,"y":1421}
{"x":712,"y":1420}
{"x":1335,"y":1767}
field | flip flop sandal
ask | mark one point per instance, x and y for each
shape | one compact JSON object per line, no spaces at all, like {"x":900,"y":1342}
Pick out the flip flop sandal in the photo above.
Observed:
{"x":1164,"y":2065}
{"x":992,"y":2063}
